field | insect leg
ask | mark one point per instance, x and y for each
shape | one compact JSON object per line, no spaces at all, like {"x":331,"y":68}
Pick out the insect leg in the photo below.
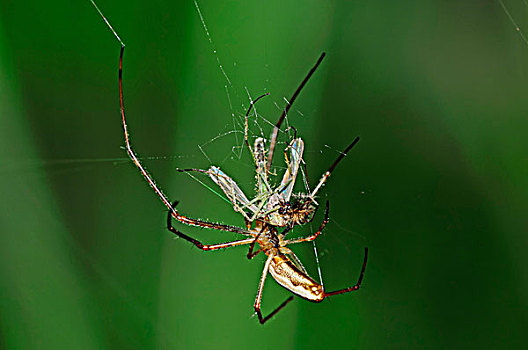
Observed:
{"x":246,"y":124}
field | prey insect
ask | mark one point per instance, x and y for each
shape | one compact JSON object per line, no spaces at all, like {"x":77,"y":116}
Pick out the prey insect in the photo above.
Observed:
{"x":269,"y":216}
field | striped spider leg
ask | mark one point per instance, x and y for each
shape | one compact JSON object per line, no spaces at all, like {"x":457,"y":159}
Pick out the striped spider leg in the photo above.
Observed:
{"x":175,"y":214}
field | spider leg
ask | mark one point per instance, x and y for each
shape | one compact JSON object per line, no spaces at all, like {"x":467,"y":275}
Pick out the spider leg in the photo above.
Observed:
{"x":258,"y":300}
{"x":205,"y":224}
{"x":263,"y":320}
{"x":314,"y":236}
{"x":251,"y":254}
{"x":289,"y":103}
{"x":286,"y":230}
{"x":357,"y":285}
{"x":181,"y":218}
{"x":200,"y":245}
{"x":332,"y":167}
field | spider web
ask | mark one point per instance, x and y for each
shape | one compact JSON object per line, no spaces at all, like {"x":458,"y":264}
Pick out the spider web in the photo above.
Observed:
{"x":508,"y":14}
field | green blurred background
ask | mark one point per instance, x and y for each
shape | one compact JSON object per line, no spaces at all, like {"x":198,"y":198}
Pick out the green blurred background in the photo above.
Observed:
{"x":437,"y":188}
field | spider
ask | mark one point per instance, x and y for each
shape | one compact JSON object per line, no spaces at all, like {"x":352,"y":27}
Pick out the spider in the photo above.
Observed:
{"x":272,"y":208}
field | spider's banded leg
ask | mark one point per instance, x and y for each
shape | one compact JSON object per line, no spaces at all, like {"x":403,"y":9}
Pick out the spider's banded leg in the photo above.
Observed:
{"x":258,"y":300}
{"x":200,"y":245}
{"x":314,"y":236}
{"x":357,"y":285}
{"x":286,"y":230}
{"x":251,"y":254}
{"x":192,"y":170}
{"x":263,"y":320}
{"x":146,"y":175}
{"x":206,"y":224}
{"x":289,"y":103}
{"x":332,"y":167}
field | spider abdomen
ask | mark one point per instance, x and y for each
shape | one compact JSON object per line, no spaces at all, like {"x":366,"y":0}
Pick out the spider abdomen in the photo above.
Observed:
{"x":284,"y":271}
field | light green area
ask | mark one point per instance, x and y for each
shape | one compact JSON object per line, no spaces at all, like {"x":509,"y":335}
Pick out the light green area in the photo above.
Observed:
{"x":436,"y":188}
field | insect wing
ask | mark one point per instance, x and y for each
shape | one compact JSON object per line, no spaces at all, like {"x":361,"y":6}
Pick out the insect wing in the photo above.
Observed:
{"x":288,"y":180}
{"x":263,"y":188}
{"x":231,"y":189}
